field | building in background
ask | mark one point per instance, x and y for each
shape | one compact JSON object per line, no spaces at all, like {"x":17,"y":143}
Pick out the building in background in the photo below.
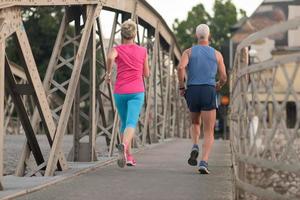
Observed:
{"x":269,"y":13}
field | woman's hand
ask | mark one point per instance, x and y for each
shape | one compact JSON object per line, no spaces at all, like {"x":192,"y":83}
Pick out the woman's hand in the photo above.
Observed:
{"x":110,"y":60}
{"x":108,"y":77}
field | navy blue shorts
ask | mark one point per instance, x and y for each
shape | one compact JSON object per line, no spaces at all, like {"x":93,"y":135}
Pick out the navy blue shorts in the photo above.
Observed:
{"x":201,"y":98}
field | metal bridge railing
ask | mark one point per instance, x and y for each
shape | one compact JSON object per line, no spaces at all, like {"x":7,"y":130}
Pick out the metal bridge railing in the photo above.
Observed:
{"x":265,"y":120}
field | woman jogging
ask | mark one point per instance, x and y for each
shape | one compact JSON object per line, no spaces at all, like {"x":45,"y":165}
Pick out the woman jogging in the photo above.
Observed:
{"x":201,"y":63}
{"x":132,"y":66}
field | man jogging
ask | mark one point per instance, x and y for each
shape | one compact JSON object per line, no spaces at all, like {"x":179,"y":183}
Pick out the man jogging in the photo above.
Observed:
{"x":201,"y":63}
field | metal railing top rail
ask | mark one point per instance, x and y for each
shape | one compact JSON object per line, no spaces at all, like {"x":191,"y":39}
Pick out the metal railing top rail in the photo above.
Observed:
{"x":277,"y":28}
{"x":269,"y":64}
{"x":281,"y":27}
{"x":266,"y":65}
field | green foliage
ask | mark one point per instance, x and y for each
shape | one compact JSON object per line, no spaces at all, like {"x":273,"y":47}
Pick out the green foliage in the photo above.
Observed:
{"x":225,"y":15}
{"x":185,"y":30}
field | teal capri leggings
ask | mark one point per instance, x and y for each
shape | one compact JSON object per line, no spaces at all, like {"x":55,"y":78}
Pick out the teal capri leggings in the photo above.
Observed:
{"x":129,"y":107}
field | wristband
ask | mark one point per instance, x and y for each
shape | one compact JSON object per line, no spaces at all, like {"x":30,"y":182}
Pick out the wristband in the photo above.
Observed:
{"x":108,"y":74}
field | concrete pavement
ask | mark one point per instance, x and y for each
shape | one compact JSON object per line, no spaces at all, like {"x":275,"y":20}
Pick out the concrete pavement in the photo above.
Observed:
{"x":162,"y":173}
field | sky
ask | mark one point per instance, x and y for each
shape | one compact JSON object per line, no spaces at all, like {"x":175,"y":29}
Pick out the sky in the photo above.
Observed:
{"x":172,"y":9}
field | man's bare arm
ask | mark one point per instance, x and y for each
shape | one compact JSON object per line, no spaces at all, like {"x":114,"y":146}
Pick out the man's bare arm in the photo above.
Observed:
{"x":182,"y":66}
{"x":221,"y":70}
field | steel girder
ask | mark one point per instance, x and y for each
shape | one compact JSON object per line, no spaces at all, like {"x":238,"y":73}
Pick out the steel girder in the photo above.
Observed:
{"x":2,"y":96}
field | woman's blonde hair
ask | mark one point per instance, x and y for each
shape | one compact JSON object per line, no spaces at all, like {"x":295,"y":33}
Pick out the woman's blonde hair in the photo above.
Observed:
{"x":128,"y":29}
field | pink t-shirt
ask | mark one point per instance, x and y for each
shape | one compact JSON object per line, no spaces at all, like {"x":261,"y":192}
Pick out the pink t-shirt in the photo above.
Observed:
{"x":130,"y":65}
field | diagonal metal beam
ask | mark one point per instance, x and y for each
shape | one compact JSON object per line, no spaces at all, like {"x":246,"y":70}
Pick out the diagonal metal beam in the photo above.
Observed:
{"x":20,"y":107}
{"x":46,"y":84}
{"x":40,"y":95}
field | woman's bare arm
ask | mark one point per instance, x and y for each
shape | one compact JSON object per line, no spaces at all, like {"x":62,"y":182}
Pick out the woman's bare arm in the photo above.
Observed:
{"x":146,"y":71}
{"x":182,"y":66}
{"x":109,"y":64}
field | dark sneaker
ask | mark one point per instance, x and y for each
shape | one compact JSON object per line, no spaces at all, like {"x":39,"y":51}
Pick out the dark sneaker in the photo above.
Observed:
{"x":122,"y":155}
{"x":193,"y":156}
{"x":203,"y":167}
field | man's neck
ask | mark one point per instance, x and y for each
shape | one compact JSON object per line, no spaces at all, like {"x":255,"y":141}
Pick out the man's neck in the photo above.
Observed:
{"x":203,"y":43}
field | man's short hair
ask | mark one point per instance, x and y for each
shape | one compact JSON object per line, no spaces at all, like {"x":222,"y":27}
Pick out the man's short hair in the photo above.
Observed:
{"x":202,"y":32}
{"x":128,"y":29}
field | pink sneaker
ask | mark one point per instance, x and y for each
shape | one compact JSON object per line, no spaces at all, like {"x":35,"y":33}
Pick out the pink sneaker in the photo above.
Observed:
{"x":130,"y":161}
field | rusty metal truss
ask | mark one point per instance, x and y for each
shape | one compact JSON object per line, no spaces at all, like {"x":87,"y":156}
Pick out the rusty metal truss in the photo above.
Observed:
{"x":59,"y":107}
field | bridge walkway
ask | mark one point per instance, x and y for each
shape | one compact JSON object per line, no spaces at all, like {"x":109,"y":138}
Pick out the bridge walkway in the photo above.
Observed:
{"x":162,"y":173}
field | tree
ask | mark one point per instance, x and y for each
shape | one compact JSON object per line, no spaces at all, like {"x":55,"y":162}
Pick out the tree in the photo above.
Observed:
{"x":225,"y":15}
{"x":184,"y":30}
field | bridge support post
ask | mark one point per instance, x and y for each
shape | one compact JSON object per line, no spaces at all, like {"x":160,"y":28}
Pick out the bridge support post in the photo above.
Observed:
{"x":2,"y":96}
{"x":149,"y":100}
{"x":93,"y":127}
{"x":167,"y":96}
{"x":115,"y":128}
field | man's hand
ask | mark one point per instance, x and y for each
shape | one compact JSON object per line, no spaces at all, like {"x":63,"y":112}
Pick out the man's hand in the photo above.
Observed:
{"x":218,"y":86}
{"x":182,"y":91}
{"x":181,"y":70}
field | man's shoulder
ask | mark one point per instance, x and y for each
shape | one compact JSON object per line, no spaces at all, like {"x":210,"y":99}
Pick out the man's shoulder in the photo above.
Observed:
{"x":219,"y":56}
{"x":218,"y":53}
